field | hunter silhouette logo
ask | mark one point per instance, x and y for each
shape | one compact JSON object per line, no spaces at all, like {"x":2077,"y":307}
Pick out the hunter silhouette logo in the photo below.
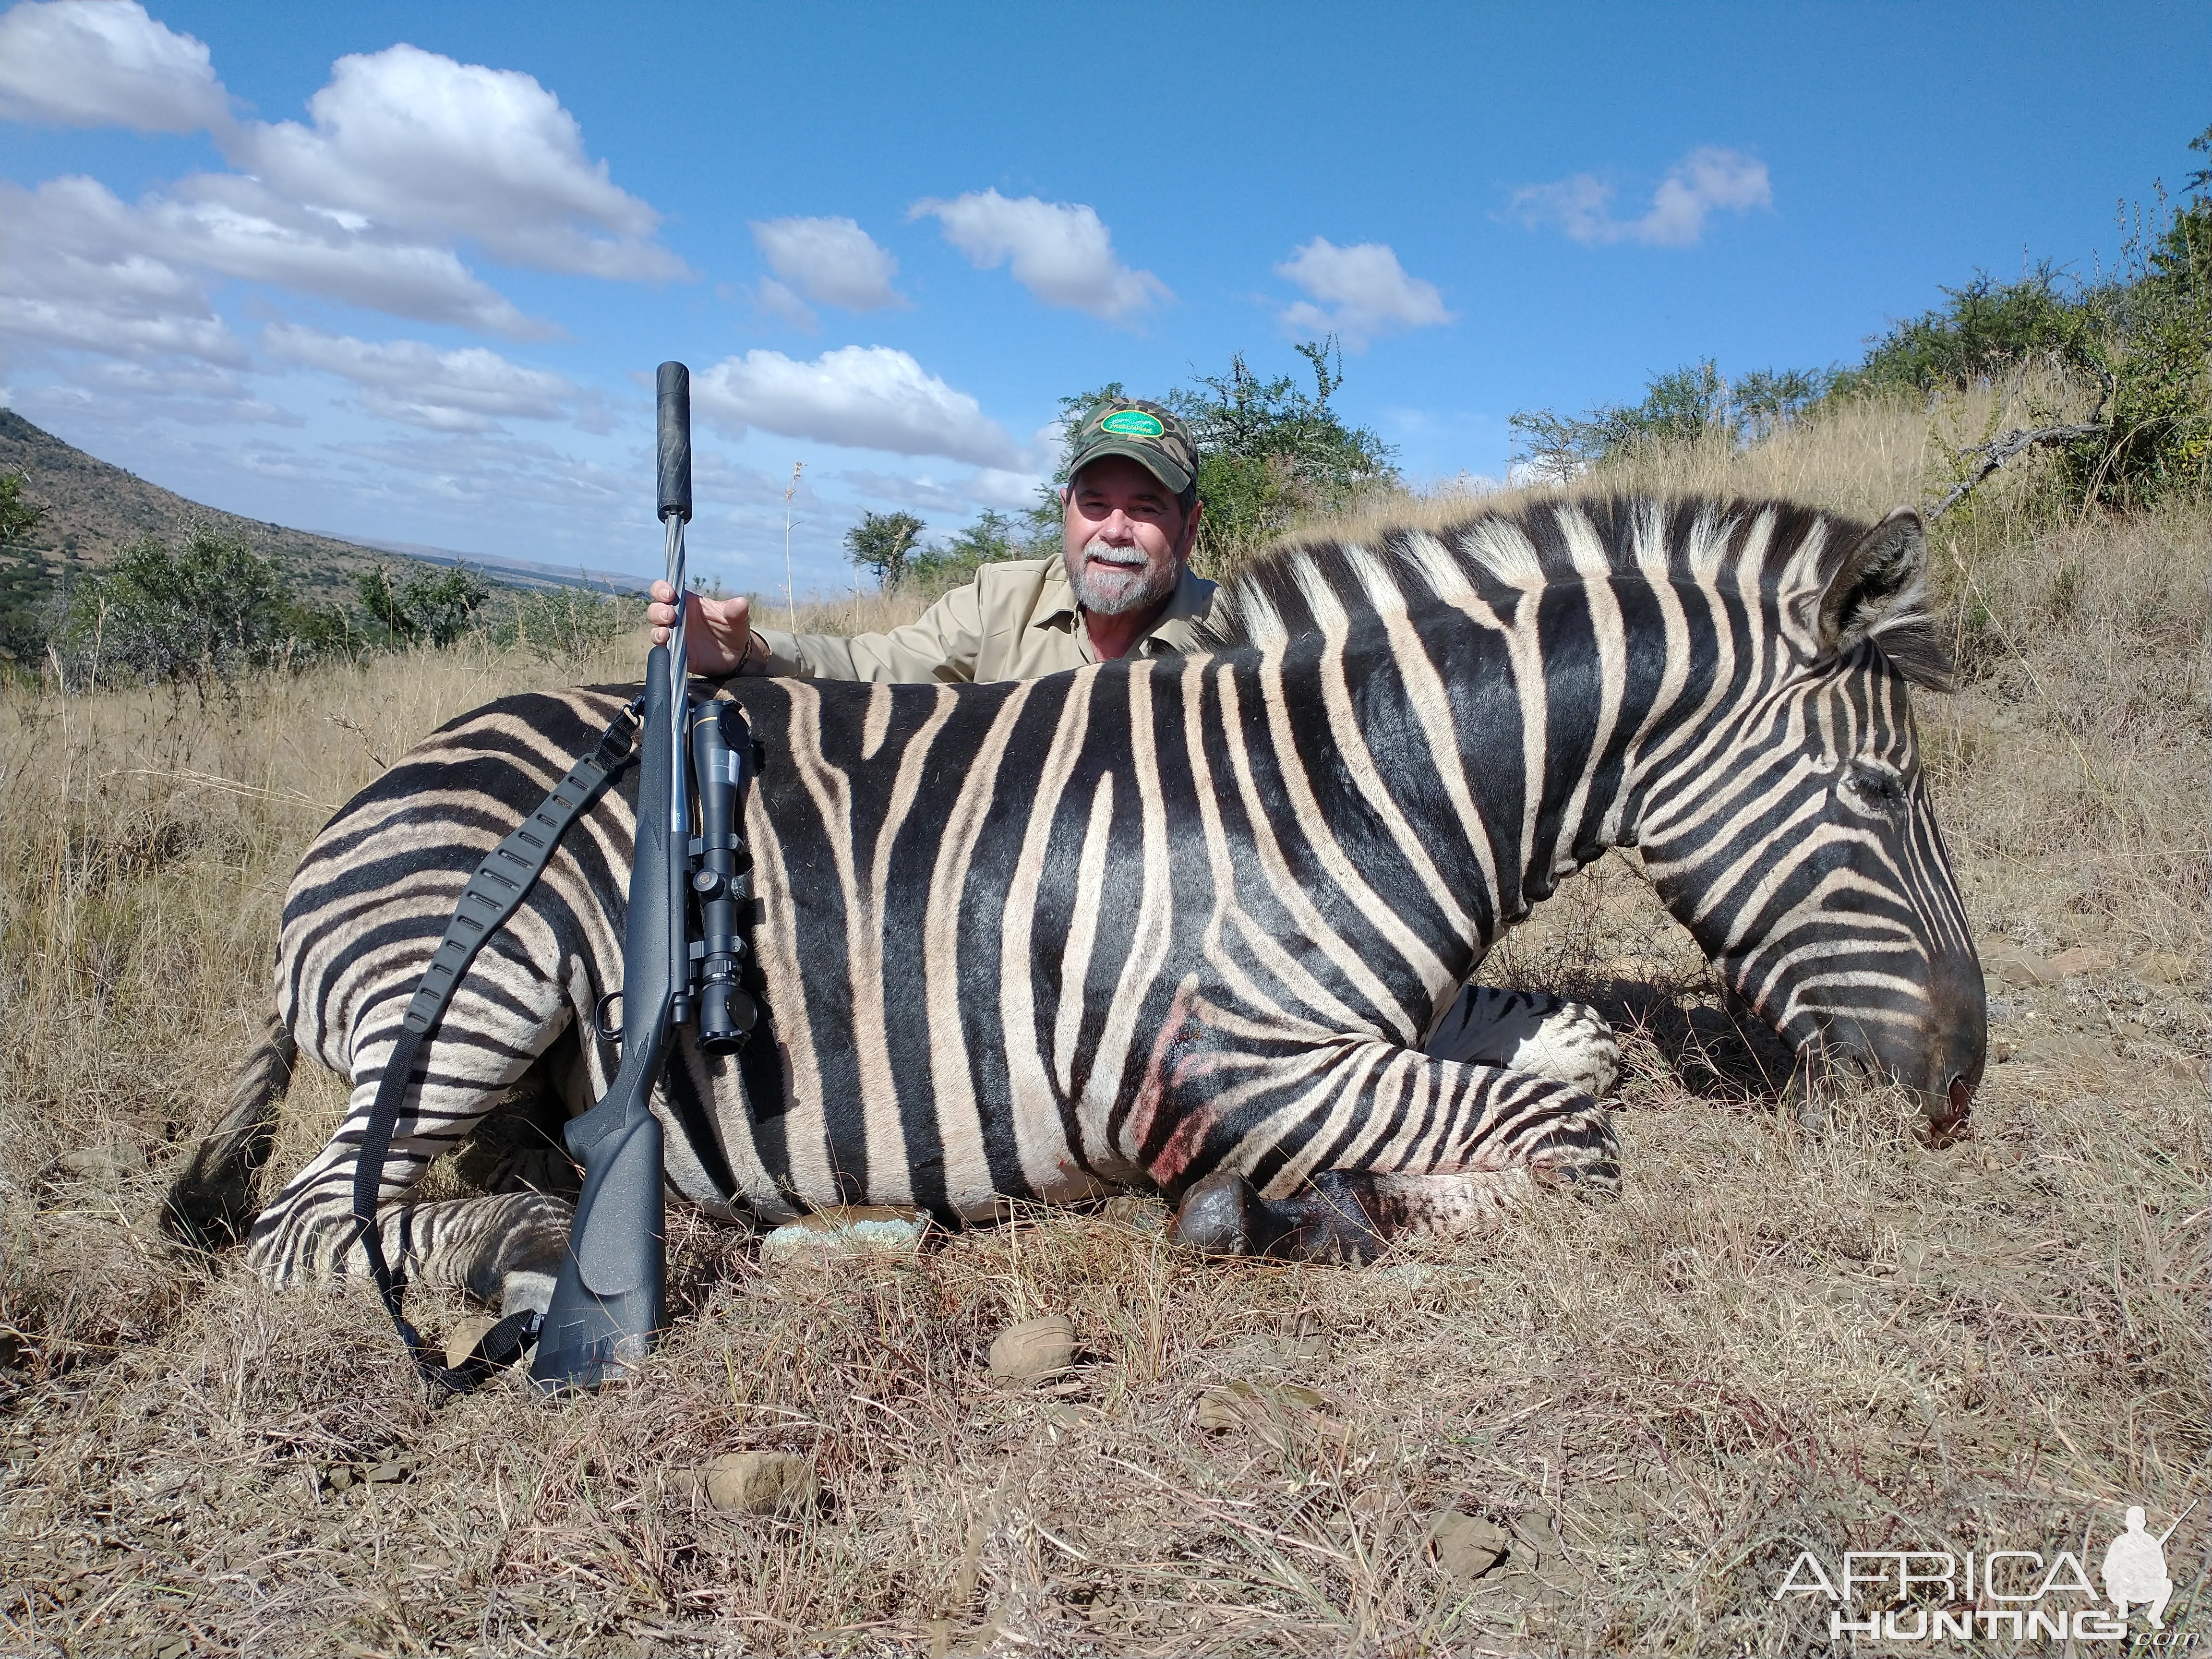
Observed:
{"x":1921,"y":1595}
{"x":2135,"y":1569}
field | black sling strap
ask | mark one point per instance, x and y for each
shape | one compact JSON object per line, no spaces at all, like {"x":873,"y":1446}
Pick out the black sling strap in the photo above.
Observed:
{"x":493,"y":893}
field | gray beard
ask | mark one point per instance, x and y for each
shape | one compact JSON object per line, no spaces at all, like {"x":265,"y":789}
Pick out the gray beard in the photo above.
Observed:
{"x":1115,"y":595}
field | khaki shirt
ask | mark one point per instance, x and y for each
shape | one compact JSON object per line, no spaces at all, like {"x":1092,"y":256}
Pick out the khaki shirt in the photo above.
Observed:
{"x":1015,"y":620}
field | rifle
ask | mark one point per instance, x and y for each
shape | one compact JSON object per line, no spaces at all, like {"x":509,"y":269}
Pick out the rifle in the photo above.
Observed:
{"x":609,"y":1302}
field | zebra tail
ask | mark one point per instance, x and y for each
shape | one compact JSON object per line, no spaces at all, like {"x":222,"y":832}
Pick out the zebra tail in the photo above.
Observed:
{"x":212,"y":1205}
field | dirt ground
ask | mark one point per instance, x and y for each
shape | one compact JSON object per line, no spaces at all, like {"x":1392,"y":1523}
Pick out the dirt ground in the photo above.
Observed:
{"x":1612,"y":1427}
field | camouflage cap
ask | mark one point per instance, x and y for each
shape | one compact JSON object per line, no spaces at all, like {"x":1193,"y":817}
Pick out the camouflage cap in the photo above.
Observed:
{"x":1148,"y":434}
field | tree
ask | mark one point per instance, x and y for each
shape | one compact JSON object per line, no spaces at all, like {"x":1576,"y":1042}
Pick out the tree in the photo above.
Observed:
{"x":18,"y":517}
{"x":1268,"y":452}
{"x":423,"y":606}
{"x":990,"y":538}
{"x":199,"y":614}
{"x":882,"y":542}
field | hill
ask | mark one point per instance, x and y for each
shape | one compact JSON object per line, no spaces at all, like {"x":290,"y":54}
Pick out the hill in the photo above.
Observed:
{"x":94,"y":510}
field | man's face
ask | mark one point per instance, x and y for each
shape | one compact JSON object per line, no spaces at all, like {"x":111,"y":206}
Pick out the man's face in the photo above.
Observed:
{"x":1124,"y":537}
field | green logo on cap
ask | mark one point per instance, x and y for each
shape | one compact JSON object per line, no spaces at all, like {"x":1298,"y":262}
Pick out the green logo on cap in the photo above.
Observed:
{"x":1131,"y":423}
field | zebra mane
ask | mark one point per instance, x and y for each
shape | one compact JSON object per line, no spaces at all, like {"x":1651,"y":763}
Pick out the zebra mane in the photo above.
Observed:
{"x":1322,"y":583}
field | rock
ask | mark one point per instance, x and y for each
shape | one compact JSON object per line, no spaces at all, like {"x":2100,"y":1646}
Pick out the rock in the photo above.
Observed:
{"x":1467,"y":1546}
{"x":756,"y":1483}
{"x":468,"y":1330}
{"x":2081,"y":959}
{"x":1035,"y":1348}
{"x":104,"y":1164}
{"x":854,"y":1231}
{"x":2007,"y":966}
{"x":1242,"y":1405}
{"x":2162,"y":968}
{"x":1292,"y":1422}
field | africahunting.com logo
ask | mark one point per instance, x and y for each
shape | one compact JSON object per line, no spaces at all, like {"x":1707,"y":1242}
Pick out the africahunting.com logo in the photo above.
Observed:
{"x":1934,"y":1596}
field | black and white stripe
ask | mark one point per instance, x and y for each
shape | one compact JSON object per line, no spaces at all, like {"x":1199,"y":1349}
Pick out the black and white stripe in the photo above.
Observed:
{"x":1188,"y":922}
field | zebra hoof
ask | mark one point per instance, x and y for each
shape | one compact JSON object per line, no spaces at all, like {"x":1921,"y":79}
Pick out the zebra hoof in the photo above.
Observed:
{"x":1332,"y":1220}
{"x":1224,"y":1215}
{"x":208,"y":1216}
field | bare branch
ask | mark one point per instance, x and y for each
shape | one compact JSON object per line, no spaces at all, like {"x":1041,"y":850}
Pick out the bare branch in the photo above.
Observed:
{"x":1996,"y":453}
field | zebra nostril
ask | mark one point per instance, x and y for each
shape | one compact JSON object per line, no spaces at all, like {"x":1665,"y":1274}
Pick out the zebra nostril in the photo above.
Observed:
{"x":1961,"y":1094}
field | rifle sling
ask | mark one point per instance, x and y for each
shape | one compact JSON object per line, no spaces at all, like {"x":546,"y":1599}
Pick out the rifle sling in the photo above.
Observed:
{"x":493,"y":893}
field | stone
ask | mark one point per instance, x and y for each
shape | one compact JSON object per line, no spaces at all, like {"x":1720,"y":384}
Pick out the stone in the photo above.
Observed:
{"x":468,"y":1330}
{"x":848,"y":1232}
{"x":1035,"y":1348}
{"x":1466,"y":1546}
{"x":2008,"y":967}
{"x":756,"y":1483}
{"x":2162,"y":968}
{"x":105,"y":1164}
{"x":1292,"y":1422}
{"x":2081,"y":959}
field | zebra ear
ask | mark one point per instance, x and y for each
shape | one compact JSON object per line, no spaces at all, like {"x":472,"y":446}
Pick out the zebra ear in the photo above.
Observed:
{"x":1878,"y":592}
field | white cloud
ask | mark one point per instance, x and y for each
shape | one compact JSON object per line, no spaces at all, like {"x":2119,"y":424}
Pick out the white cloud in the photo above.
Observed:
{"x":105,"y":63}
{"x":987,"y":486}
{"x":234,"y":227}
{"x":1061,"y":252}
{"x":407,"y":154}
{"x":75,"y":271}
{"x":857,"y":397}
{"x":1368,"y":291}
{"x":832,"y":261}
{"x":1706,"y":180}
{"x":408,"y":380}
{"x":416,"y":142}
{"x":777,"y":301}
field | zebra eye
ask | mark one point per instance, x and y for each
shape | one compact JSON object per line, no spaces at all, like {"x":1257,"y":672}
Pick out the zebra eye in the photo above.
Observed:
{"x":1873,"y":787}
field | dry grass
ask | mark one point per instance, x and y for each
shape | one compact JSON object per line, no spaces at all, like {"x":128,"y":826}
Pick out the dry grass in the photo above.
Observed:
{"x":1780,"y":1337}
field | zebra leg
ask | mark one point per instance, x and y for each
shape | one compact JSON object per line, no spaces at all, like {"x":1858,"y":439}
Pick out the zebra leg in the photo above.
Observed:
{"x":1547,"y":1036}
{"x":210,"y":1204}
{"x":506,"y":1245}
{"x":1459,"y":1146}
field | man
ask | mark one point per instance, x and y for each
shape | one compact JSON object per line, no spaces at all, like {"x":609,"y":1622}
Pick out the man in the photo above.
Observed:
{"x":1121,"y":586}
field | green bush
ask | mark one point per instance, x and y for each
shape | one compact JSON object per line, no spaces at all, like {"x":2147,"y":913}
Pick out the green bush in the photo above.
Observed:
{"x":566,"y":625}
{"x":1684,"y":405}
{"x":992,"y":536}
{"x":421,"y":606}
{"x":200,"y":614}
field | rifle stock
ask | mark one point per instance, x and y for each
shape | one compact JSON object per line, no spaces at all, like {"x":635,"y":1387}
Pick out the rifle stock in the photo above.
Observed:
{"x":609,"y":1300}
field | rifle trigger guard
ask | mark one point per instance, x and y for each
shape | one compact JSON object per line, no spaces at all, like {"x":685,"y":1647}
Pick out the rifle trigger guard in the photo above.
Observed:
{"x":601,"y":1023}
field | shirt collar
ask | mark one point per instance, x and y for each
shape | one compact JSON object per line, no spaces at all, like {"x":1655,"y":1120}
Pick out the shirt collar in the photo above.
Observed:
{"x":1174,"y":630}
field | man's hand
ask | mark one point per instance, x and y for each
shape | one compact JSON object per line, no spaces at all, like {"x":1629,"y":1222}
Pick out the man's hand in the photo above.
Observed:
{"x":717,"y":633}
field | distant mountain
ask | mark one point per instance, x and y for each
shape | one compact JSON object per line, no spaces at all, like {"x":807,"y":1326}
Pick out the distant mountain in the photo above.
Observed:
{"x":94,"y":511}
{"x":519,"y":573}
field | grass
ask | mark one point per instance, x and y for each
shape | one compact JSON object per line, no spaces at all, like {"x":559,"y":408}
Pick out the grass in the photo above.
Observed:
{"x":1783,"y":1336}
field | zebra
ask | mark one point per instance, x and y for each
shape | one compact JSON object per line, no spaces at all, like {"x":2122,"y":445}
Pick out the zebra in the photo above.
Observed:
{"x":1182,"y":924}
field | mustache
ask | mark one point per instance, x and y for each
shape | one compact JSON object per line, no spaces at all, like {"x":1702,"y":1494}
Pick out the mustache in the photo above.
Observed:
{"x":1128,"y":558}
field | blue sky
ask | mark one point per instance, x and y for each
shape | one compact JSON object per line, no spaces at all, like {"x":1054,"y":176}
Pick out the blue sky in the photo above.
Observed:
{"x":404,"y":272}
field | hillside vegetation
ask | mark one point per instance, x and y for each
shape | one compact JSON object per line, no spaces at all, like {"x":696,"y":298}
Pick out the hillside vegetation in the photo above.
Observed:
{"x":94,"y":511}
{"x":1784,"y":1335}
